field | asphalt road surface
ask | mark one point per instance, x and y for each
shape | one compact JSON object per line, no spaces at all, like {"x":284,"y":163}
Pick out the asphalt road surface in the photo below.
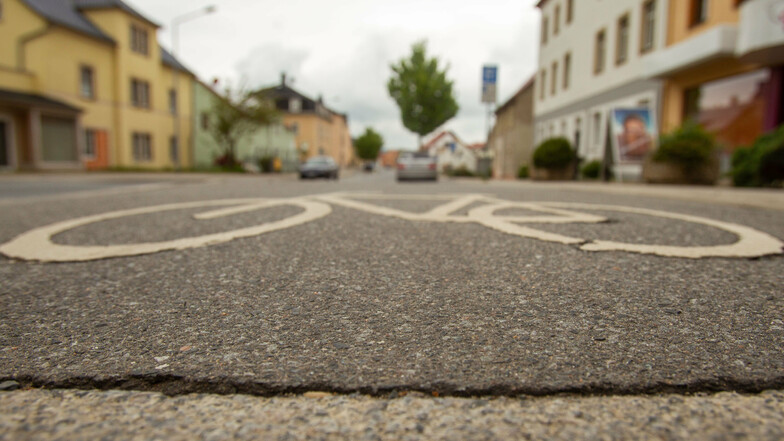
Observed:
{"x":364,"y":300}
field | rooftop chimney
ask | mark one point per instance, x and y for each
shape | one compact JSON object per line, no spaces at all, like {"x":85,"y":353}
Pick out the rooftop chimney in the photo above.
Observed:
{"x":283,"y":78}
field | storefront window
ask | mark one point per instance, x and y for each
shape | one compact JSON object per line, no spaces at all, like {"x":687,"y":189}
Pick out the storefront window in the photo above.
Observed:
{"x":732,"y":108}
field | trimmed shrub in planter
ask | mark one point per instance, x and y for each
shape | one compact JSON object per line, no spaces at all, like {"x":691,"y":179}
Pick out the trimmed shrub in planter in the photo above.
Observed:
{"x":686,"y":156}
{"x":592,"y":170}
{"x":522,"y":172}
{"x":554,"y":159}
{"x":762,"y":164}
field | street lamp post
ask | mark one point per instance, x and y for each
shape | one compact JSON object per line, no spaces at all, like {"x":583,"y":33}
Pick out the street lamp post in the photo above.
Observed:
{"x":176,"y":22}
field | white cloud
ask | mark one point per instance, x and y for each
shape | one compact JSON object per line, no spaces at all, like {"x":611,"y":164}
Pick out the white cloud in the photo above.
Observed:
{"x":342,"y":50}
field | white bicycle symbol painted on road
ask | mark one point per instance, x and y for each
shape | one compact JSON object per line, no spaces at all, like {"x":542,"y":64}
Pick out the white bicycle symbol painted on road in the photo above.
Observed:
{"x":37,"y":244}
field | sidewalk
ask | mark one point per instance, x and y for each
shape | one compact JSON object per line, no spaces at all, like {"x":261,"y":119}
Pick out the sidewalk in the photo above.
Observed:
{"x":772,"y":199}
{"x":75,"y":414}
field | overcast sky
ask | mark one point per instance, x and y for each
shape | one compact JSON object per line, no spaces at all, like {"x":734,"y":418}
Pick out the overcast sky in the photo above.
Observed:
{"x":342,"y":49}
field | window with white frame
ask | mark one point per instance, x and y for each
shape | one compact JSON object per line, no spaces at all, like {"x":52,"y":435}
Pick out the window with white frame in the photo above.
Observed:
{"x":543,"y":88}
{"x":544,"y":30}
{"x":142,"y":147}
{"x":87,"y":82}
{"x":554,"y":80}
{"x":599,"y":52}
{"x":622,"y":44}
{"x":567,"y":68}
{"x":89,"y":143}
{"x":557,"y":20}
{"x":172,"y":101}
{"x":699,"y":12}
{"x":295,"y":105}
{"x":648,"y":25}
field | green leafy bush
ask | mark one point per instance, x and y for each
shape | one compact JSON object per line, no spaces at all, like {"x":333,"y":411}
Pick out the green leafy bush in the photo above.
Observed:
{"x":522,"y":172}
{"x":762,"y":164}
{"x":461,"y":171}
{"x":554,"y":153}
{"x":592,"y":170}
{"x":690,"y":146}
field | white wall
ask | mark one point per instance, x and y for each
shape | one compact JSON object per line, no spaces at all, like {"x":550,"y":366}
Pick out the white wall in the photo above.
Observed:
{"x":578,"y":39}
{"x":461,"y":157}
{"x":591,"y":144}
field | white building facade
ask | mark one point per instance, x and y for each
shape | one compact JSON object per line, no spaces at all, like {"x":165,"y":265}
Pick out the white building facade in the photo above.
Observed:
{"x":452,"y":153}
{"x":592,"y":59}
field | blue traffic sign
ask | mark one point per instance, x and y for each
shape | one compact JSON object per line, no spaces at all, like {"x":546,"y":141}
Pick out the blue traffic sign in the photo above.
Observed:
{"x":489,"y":74}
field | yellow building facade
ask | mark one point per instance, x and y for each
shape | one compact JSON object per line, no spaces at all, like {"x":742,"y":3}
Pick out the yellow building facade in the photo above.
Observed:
{"x":318,"y":129}
{"x":86,"y":85}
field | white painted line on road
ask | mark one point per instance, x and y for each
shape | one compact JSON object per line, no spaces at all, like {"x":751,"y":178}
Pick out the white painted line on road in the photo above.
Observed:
{"x":37,"y":244}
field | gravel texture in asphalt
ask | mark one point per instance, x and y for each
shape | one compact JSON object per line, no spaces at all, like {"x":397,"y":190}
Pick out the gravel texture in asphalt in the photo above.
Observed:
{"x":65,"y":415}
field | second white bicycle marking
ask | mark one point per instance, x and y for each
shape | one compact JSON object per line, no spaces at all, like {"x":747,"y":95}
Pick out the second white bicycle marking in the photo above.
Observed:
{"x":751,"y":242}
{"x":37,"y":244}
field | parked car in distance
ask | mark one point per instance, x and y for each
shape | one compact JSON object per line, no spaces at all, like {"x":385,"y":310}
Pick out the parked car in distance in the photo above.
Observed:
{"x":368,"y":166}
{"x":319,"y":167}
{"x":417,"y":165}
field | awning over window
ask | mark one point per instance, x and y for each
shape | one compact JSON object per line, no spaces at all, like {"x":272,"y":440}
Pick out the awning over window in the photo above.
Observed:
{"x":30,"y":101}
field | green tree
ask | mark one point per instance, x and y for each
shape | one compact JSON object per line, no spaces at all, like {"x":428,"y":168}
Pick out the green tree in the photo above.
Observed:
{"x":234,"y":115}
{"x":422,"y":91}
{"x":369,"y":145}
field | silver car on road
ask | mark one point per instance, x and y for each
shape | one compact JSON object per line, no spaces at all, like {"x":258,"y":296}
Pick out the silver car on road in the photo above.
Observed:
{"x":417,"y":165}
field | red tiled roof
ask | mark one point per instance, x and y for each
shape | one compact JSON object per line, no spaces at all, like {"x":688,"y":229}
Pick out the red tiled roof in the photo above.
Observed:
{"x":432,"y":142}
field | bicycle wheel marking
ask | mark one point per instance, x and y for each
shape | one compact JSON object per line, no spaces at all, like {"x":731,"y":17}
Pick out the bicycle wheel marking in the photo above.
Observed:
{"x":37,"y":244}
{"x":751,"y":242}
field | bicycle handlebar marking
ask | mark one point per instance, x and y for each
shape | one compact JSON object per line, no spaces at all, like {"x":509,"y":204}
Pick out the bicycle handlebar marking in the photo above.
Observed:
{"x":37,"y":244}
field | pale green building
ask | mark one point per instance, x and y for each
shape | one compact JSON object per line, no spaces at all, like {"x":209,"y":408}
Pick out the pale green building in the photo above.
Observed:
{"x":273,"y":140}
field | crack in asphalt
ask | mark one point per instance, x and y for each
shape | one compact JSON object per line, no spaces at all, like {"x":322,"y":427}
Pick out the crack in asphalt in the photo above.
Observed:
{"x":175,"y":385}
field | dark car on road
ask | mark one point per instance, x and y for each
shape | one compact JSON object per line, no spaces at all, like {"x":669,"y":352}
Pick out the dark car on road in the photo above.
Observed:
{"x":319,"y":167}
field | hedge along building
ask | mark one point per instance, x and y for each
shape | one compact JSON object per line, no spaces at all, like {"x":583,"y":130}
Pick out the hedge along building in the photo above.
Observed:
{"x":272,"y":140}
{"x":83,"y":83}
{"x":723,"y":67}
{"x":592,"y":60}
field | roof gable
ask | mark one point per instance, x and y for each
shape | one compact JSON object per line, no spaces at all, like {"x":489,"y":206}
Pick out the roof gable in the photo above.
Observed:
{"x":63,"y":13}
{"x":442,"y":137}
{"x":168,"y":60}
{"x":309,"y":105}
{"x":109,"y":4}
